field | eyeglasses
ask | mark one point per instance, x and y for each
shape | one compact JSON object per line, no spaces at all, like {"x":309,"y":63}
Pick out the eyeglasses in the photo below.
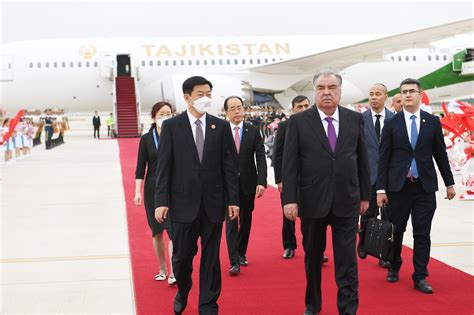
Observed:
{"x":412,"y":91}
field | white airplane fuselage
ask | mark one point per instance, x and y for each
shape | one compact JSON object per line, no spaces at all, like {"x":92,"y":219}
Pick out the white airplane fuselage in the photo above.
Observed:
{"x":77,"y":74}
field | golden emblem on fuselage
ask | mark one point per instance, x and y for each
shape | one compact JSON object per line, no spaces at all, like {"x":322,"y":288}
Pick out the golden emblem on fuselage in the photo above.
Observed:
{"x":87,"y":51}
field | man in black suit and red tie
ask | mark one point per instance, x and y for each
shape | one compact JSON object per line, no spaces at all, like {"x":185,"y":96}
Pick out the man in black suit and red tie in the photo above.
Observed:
{"x":196,"y":179}
{"x":407,"y":178}
{"x":326,"y":181}
{"x":252,"y":181}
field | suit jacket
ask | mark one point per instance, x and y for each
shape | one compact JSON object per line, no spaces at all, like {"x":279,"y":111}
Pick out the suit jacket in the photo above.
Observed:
{"x":251,"y":150}
{"x":372,"y":142}
{"x":96,"y":121}
{"x":396,"y":154}
{"x":183,"y":182}
{"x":319,"y":180}
{"x":278,"y":150}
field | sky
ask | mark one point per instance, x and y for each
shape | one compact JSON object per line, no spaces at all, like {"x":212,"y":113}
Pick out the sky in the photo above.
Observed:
{"x":32,"y":20}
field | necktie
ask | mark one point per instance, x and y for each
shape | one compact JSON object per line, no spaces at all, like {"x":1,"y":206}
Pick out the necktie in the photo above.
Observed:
{"x":199,"y":139}
{"x":331,"y":133}
{"x":414,"y":138}
{"x":237,"y":138}
{"x":377,"y":126}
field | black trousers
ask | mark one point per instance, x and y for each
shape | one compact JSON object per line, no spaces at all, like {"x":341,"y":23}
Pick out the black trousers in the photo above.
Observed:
{"x":238,"y":231}
{"x":371,"y":212}
{"x":108,"y":131}
{"x":422,"y":205}
{"x":288,"y":231}
{"x":185,"y":237}
{"x":344,"y":231}
{"x":97,"y":130}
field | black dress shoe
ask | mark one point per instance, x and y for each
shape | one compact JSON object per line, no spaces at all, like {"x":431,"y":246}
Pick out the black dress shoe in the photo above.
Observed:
{"x":384,"y":264}
{"x":423,"y":286}
{"x":234,"y":269}
{"x":325,"y":259}
{"x":392,"y":276}
{"x":309,"y":311}
{"x":289,"y":253}
{"x":179,"y":305}
{"x":243,"y":261}
{"x":361,"y":252}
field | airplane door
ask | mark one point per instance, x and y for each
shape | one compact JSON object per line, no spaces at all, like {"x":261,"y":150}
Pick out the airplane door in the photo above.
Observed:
{"x":123,"y":65}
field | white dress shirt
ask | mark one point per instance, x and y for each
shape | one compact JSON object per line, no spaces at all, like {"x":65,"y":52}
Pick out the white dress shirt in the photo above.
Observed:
{"x":192,"y":121}
{"x":335,"y":120}
{"x":232,"y":131}
{"x":382,"y":118}
{"x":408,"y":122}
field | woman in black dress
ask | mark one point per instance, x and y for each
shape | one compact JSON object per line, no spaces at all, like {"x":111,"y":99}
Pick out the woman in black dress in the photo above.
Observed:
{"x":147,"y":158}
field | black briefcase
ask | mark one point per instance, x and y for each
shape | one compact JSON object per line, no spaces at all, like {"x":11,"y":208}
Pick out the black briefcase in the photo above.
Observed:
{"x":379,"y":238}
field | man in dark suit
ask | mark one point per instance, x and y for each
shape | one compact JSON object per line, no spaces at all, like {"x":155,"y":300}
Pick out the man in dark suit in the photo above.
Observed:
{"x":326,"y":181}
{"x":407,"y":178}
{"x":252,"y":181}
{"x":196,"y":178}
{"x":375,"y":119}
{"x":96,"y":124}
{"x":298,"y":104}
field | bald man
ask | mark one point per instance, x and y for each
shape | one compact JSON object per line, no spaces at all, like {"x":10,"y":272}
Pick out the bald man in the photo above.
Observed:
{"x":374,"y":121}
{"x":397,"y":104}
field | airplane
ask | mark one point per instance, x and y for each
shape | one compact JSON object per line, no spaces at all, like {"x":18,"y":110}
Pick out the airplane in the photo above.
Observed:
{"x":80,"y":75}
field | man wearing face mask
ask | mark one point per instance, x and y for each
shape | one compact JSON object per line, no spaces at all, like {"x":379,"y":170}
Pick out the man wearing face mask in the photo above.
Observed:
{"x":196,"y":178}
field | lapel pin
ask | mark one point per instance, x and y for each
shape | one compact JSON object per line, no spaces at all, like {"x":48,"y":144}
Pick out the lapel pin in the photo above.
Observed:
{"x":246,"y":130}
{"x":213,"y":126}
{"x":423,"y":120}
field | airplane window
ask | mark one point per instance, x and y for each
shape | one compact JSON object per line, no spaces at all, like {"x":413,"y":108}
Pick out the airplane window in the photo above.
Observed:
{"x":414,"y":58}
{"x":143,"y":63}
{"x":39,"y":65}
{"x":243,"y":61}
{"x":258,"y":60}
{"x":399,"y":58}
{"x":429,"y":57}
{"x":437,"y":58}
{"x":174,"y":62}
{"x":150,"y":63}
{"x":55,"y":64}
{"x":236,"y":61}
{"x":87,"y":64}
{"x":251,"y":61}
{"x":190,"y":62}
{"x":95,"y":64}
{"x":182,"y":62}
{"x":47,"y":65}
{"x":213,"y":62}
{"x":63,"y":64}
{"x":205,"y":62}
{"x":31,"y":65}
{"x":167,"y":63}
{"x":79,"y":64}
{"x":444,"y":57}
{"x":281,"y":59}
{"x":393,"y":58}
{"x":266,"y":60}
{"x":197,"y":62}
{"x":407,"y":58}
{"x":228,"y":61}
{"x":158,"y":63}
{"x":220,"y":61}
{"x":273,"y":59}
{"x":71,"y":64}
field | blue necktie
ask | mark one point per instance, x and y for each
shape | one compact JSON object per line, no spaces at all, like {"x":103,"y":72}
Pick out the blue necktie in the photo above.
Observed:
{"x":414,"y":138}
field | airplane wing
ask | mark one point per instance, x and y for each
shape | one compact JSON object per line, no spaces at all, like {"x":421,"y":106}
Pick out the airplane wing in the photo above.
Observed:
{"x":341,"y":58}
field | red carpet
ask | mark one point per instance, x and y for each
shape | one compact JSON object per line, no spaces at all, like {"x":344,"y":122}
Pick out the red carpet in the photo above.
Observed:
{"x":272,"y":285}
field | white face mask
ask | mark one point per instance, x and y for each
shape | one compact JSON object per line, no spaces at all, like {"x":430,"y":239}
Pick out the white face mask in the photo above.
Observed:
{"x":160,"y":120}
{"x":203,"y":104}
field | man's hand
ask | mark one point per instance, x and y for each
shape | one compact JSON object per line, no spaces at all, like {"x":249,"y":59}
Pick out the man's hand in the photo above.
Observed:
{"x":233,"y":212}
{"x":138,"y":199}
{"x":364,"y":205}
{"x":291,"y":211}
{"x":259,"y":191}
{"x":161,"y":213}
{"x":382,"y":200}
{"x":450,"y":193}
{"x":280,"y":187}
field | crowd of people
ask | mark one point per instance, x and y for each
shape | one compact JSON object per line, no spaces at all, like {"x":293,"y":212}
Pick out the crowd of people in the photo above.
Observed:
{"x":333,"y":166}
